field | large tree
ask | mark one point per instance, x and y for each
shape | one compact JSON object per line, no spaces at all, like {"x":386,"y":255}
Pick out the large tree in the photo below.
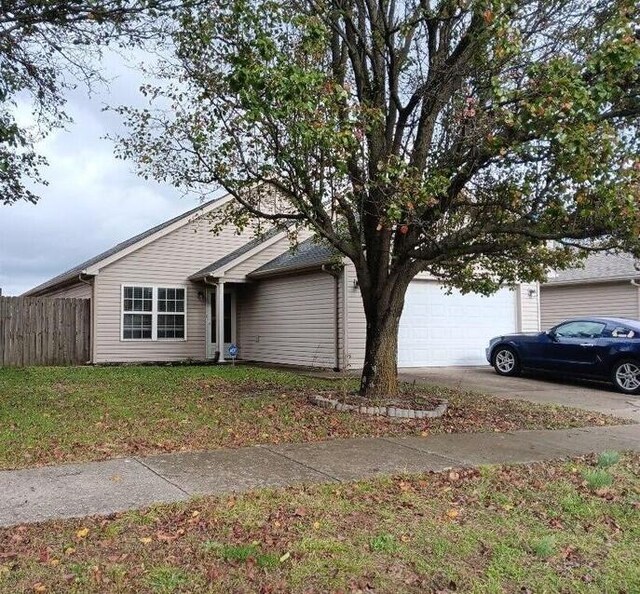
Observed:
{"x":47,"y":47}
{"x":482,"y":141}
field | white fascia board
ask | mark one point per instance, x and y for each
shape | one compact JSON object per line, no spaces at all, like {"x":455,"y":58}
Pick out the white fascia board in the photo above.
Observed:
{"x":95,"y":268}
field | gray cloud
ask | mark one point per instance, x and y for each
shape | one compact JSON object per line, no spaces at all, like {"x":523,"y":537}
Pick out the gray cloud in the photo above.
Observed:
{"x":93,"y":200}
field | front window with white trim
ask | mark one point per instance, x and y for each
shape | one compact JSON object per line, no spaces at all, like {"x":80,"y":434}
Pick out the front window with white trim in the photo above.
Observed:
{"x":153,"y":313}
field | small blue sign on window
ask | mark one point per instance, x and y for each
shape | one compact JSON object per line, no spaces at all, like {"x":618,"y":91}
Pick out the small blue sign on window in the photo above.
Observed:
{"x":233,"y":351}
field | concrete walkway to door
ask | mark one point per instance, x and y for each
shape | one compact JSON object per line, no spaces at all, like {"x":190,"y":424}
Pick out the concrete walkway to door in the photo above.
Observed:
{"x":597,"y":397}
{"x":76,"y":490}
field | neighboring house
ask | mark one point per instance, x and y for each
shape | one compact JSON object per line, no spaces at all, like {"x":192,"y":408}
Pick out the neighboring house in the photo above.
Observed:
{"x":155,"y":298}
{"x":608,"y":285}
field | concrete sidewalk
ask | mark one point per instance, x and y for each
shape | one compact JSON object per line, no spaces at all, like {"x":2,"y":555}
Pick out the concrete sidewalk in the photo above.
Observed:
{"x":76,"y":490}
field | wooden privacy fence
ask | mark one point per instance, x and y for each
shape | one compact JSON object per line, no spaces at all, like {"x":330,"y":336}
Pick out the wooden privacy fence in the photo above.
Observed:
{"x":43,"y":331}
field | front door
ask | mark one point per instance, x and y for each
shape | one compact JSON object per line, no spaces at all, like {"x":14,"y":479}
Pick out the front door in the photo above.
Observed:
{"x":229,"y":321}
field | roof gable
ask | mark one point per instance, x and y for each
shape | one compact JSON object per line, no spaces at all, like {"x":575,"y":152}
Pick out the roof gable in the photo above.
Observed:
{"x":92,"y":265}
{"x":236,"y":256}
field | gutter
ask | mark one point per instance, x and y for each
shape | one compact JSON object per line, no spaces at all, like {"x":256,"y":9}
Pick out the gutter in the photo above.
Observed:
{"x":92,"y":312}
{"x":590,"y":281}
{"x":287,"y":271}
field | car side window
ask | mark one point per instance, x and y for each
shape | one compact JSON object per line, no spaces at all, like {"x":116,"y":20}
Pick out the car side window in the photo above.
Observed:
{"x":622,"y":332}
{"x":580,"y":329}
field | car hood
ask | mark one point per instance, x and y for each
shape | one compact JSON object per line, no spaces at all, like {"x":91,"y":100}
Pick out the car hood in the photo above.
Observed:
{"x":520,"y":336}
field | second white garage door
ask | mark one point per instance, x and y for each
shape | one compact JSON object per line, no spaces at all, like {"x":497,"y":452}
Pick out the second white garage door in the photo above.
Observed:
{"x":437,"y":329}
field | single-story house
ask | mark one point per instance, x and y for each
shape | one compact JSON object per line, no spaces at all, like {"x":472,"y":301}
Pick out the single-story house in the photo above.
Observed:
{"x":180,"y":292}
{"x":608,"y":285}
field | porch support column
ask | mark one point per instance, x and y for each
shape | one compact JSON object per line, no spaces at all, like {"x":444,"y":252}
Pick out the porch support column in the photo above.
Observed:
{"x":220,"y":318}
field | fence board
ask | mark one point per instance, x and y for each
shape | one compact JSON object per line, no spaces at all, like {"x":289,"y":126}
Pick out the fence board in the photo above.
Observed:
{"x":43,"y":331}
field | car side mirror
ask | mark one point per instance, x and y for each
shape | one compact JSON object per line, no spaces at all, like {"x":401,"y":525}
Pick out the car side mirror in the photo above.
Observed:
{"x":551,"y":335}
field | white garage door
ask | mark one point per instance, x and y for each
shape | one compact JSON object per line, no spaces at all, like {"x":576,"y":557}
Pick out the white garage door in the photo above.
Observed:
{"x":437,"y":329}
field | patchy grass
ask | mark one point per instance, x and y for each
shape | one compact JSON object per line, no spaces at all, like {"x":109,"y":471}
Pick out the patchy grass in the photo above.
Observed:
{"x":536,"y":528}
{"x":56,"y":414}
{"x":597,"y":478}
{"x":608,"y":458}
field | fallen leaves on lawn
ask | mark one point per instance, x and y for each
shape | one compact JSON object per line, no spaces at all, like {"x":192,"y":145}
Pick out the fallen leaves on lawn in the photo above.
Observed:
{"x":193,"y":409}
{"x":82,"y":533}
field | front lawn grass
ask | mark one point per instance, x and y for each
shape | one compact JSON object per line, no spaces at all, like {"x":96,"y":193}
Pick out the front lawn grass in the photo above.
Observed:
{"x":538,"y":528}
{"x":51,"y":415}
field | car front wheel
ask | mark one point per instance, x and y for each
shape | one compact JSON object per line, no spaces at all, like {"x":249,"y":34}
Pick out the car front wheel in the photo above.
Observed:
{"x":505,"y":361}
{"x":626,"y":376}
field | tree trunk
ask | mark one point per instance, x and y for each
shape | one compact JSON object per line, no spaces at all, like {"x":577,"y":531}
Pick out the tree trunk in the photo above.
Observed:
{"x":380,"y":371}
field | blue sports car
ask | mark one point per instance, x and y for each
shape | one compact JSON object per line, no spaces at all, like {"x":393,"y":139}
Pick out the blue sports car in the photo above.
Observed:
{"x":597,"y":348}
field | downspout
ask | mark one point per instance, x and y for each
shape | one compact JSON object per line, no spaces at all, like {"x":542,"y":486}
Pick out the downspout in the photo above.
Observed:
{"x":636,"y":284}
{"x":92,"y":309}
{"x":336,"y":304}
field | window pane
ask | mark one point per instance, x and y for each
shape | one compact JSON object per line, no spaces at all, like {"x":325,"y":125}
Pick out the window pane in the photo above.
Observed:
{"x":136,"y":326}
{"x":580,"y":329}
{"x":138,"y":299}
{"x":171,"y":300}
{"x":170,"y":326}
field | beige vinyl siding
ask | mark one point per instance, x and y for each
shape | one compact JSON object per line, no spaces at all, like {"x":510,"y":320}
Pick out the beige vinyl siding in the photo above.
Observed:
{"x":78,"y":291}
{"x":168,"y":261}
{"x":558,"y":303}
{"x":528,"y":300}
{"x":288,"y":320}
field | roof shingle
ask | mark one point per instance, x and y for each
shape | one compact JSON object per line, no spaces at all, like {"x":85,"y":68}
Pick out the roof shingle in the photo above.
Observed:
{"x":308,"y":254}
{"x":599,"y":266}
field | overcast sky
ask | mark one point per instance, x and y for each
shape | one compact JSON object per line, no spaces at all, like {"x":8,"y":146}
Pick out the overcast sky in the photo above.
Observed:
{"x":93,"y":200}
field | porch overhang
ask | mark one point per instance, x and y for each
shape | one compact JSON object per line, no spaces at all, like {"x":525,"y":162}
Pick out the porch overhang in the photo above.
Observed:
{"x":217,"y":269}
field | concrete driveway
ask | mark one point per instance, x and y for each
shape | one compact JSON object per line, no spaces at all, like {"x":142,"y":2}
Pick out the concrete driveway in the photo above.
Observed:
{"x":579,"y":394}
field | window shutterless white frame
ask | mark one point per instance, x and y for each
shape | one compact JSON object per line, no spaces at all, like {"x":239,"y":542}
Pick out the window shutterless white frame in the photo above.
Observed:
{"x":154,"y":312}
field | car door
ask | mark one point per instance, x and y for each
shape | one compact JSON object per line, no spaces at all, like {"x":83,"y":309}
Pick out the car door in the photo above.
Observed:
{"x":573,"y":347}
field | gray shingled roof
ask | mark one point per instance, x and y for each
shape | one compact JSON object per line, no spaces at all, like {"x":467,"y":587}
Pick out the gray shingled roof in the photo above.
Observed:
{"x":73,"y":273}
{"x":599,"y":267}
{"x":308,"y":254}
{"x":230,"y":257}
